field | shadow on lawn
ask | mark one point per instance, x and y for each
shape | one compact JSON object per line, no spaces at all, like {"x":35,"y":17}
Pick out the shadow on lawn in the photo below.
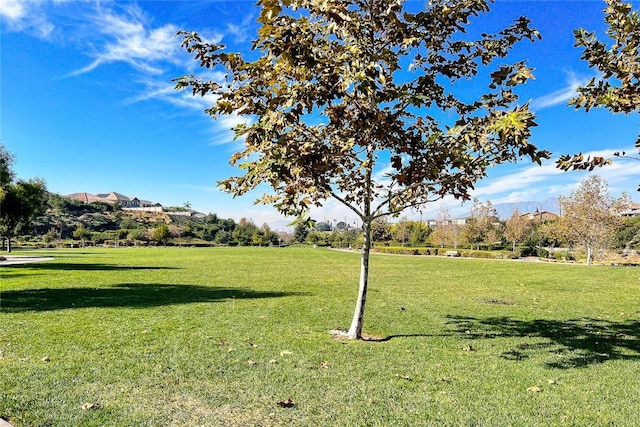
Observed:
{"x":63,"y":266}
{"x":574,"y":342}
{"x":125,"y":295}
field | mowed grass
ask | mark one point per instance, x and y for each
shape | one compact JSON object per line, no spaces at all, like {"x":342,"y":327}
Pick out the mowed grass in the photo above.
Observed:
{"x":187,"y":337}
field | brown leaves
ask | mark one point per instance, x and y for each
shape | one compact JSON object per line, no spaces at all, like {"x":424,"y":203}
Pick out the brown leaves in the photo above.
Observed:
{"x":286,"y":403}
{"x":579,"y":162}
{"x":88,"y":406}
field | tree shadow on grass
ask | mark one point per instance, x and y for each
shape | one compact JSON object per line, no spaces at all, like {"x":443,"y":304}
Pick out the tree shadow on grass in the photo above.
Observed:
{"x":130,"y":295}
{"x":573,"y":343}
{"x":63,"y":266}
{"x":391,"y":337}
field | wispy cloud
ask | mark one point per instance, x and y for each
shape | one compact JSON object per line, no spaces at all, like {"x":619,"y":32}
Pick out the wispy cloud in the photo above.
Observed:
{"x":539,"y":182}
{"x":13,"y":10}
{"x":129,"y":38}
{"x":21,"y":15}
{"x":560,"y":96}
{"x":240,"y":32}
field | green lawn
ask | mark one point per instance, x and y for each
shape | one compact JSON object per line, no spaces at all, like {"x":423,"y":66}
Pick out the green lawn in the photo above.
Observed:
{"x":187,"y":337}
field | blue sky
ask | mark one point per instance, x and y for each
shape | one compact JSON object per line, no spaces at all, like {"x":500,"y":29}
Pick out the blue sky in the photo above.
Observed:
{"x":87,"y":103}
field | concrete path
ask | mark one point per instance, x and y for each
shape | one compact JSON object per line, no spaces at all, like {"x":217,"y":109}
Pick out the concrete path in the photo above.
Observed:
{"x":19,"y":259}
{"x":4,"y":423}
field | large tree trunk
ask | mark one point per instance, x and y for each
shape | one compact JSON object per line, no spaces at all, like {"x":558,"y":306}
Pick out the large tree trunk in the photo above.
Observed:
{"x":9,"y":244}
{"x":589,"y":254}
{"x":355,"y":331}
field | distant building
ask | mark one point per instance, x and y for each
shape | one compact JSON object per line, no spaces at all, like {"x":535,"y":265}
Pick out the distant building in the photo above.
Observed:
{"x":114,"y":198}
{"x":632,"y":211}
{"x":539,"y":216}
{"x":435,"y":222}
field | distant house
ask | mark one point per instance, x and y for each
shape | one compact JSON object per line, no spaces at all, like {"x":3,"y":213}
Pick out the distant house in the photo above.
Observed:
{"x":85,"y":197}
{"x":118,"y":199}
{"x":436,"y":222}
{"x":148,"y":204}
{"x":632,"y":211}
{"x":122,"y":200}
{"x":539,"y":216}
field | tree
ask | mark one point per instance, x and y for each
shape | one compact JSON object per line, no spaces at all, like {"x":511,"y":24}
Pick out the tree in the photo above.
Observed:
{"x":6,"y":169}
{"x":444,"y":231}
{"x":618,"y":87}
{"x":381,"y":230}
{"x":81,"y":233}
{"x":400,"y":231}
{"x":300,"y":232}
{"x":590,"y":216}
{"x":22,"y":202}
{"x":337,"y":91}
{"x":161,"y":234}
{"x":6,"y":177}
{"x":517,"y":228}
{"x":480,"y":226}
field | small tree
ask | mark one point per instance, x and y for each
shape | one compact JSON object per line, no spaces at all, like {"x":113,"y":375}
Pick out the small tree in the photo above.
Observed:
{"x":618,"y":87}
{"x":517,"y":228}
{"x":21,"y":203}
{"x":445,"y":232}
{"x":381,"y":230}
{"x":401,"y":231}
{"x":81,"y":233}
{"x":161,"y":234}
{"x":480,"y":226}
{"x":332,"y":108}
{"x":590,"y":216}
{"x":300,"y":232}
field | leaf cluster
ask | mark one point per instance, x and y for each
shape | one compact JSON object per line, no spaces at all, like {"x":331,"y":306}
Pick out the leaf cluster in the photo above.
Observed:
{"x":617,"y":87}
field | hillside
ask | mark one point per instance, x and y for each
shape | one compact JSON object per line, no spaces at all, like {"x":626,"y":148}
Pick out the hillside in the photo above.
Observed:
{"x":100,"y":222}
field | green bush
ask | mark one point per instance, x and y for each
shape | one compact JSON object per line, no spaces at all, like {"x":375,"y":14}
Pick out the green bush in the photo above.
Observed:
{"x":564,"y":256}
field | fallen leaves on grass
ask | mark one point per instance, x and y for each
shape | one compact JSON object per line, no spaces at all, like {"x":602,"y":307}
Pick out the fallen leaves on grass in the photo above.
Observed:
{"x":286,"y":403}
{"x":469,"y":348}
{"x":90,"y":405}
{"x":404,"y":377}
{"x":46,"y":359}
{"x":324,"y":365}
{"x":534,"y":389}
{"x":285,"y":352}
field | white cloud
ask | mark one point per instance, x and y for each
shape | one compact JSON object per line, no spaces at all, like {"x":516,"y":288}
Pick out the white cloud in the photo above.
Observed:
{"x":13,"y":10}
{"x":560,"y":96}
{"x":130,"y":40}
{"x":21,"y":15}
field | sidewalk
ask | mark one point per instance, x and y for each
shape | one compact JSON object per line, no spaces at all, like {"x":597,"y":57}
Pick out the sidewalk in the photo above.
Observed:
{"x":17,"y":259}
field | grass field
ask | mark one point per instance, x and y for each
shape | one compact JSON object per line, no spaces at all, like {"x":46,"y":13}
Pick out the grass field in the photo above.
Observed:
{"x":187,"y":337}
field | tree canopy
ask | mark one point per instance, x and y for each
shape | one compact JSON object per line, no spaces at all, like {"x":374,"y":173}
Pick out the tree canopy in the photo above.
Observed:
{"x":590,"y":216}
{"x":354,"y":100}
{"x":617,"y":88}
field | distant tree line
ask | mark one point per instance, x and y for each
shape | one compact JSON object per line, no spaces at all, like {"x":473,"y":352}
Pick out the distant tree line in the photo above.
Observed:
{"x":591,"y":222}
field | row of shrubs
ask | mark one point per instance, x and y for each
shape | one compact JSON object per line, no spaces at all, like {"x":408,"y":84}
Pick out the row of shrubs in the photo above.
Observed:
{"x":471,"y":253}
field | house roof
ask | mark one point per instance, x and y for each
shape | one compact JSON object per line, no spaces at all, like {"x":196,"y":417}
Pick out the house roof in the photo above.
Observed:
{"x":108,"y":198}
{"x":85,"y":197}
